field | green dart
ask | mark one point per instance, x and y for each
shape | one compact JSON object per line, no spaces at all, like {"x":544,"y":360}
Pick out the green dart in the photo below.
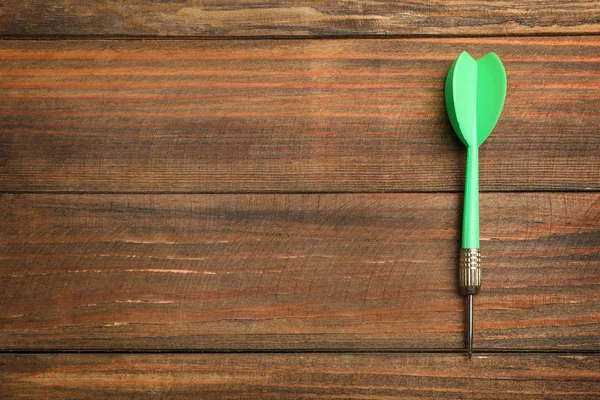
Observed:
{"x":475,"y":92}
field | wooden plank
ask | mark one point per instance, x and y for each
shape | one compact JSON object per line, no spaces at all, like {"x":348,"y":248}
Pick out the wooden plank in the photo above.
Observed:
{"x":299,"y":376}
{"x":297,"y":18}
{"x":278,"y":271}
{"x":288,"y":116}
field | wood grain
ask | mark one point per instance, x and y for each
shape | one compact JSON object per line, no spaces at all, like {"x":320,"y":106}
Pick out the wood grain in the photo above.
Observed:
{"x":277,"y":271}
{"x":299,"y":376}
{"x":306,"y":18}
{"x":288,"y":116}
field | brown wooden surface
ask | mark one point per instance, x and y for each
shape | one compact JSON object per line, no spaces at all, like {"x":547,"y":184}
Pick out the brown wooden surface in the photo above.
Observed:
{"x":136,"y":212}
{"x":291,"y":116}
{"x":305,"y":18}
{"x":300,"y":376}
{"x":283,"y":272}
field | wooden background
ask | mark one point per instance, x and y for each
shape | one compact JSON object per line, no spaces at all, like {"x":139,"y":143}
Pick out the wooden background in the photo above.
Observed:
{"x":257,"y":199}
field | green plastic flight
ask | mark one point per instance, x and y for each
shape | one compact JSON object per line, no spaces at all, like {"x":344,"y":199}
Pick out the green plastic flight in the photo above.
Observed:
{"x":475,"y":93}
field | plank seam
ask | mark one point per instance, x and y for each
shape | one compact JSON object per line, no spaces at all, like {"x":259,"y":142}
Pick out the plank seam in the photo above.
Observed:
{"x":482,"y":351}
{"x":291,"y":37}
{"x":267,"y":192}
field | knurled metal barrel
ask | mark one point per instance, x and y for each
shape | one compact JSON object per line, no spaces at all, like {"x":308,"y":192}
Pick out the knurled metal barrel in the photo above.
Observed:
{"x":469,"y":274}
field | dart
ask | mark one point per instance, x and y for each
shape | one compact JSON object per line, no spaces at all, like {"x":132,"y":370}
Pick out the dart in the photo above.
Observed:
{"x":475,"y":92}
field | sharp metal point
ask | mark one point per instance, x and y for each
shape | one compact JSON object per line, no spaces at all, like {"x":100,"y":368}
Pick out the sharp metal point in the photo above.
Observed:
{"x":470,"y":327}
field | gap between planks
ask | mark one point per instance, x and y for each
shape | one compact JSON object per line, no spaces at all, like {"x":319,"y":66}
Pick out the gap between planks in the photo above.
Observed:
{"x":479,"y":352}
{"x":167,"y":193}
{"x":291,"y":37}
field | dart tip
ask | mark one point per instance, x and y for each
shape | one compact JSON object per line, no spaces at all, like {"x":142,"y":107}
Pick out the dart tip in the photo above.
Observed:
{"x":470,"y":327}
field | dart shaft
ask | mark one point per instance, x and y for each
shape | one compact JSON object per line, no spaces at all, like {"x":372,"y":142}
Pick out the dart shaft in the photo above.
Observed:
{"x":470,"y":232}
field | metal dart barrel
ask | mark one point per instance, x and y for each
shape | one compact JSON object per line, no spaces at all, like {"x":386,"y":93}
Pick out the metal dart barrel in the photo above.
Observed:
{"x":470,"y":271}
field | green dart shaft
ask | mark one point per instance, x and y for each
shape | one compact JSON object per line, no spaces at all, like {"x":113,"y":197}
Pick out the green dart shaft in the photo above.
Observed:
{"x":470,"y":232}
